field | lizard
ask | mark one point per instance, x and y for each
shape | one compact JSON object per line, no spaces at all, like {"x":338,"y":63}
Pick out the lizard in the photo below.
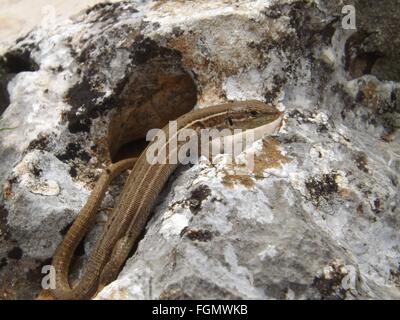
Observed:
{"x":138,"y":197}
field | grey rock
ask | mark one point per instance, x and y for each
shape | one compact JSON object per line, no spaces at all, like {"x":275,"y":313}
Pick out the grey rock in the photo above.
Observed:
{"x":318,"y":219}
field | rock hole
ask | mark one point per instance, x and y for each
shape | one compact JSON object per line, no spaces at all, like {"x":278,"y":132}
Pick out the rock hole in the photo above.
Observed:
{"x":15,"y":253}
{"x":359,"y":62}
{"x":3,"y":263}
{"x":131,"y":149}
{"x":158,"y":90}
{"x":11,"y":63}
{"x":17,"y":61}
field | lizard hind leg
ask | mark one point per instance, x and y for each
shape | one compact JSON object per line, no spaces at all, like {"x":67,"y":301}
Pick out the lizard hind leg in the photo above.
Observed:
{"x":117,"y":259}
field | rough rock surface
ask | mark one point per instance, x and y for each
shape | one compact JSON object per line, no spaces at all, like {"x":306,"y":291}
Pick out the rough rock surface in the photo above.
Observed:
{"x":318,"y":219}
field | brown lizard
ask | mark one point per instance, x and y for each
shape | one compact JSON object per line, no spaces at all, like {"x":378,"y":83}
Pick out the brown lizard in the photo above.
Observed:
{"x":138,"y":197}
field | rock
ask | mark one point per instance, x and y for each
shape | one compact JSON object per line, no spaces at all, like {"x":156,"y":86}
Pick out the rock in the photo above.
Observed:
{"x":374,"y":47}
{"x":317,"y":219}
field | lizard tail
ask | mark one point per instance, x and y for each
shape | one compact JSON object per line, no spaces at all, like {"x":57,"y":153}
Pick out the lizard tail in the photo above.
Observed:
{"x":65,"y":251}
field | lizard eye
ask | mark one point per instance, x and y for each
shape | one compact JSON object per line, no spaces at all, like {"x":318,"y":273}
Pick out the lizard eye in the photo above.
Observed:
{"x":229,"y":120}
{"x":253,"y":113}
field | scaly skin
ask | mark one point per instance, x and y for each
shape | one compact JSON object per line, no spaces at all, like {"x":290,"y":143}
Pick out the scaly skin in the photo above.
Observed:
{"x":78,"y":229}
{"x":138,"y":197}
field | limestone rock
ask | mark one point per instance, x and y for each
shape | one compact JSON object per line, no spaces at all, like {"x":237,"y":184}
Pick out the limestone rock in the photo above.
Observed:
{"x":319,"y":217}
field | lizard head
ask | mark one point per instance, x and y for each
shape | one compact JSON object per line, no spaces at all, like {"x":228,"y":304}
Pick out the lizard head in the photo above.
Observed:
{"x":250,"y":115}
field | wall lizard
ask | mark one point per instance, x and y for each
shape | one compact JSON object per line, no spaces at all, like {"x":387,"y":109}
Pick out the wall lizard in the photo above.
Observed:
{"x":138,"y":197}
